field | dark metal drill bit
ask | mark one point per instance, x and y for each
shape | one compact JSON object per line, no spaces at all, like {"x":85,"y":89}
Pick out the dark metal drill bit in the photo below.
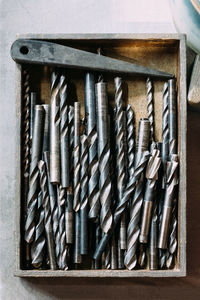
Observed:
{"x":130,"y":140}
{"x":53,"y":205}
{"x":37,"y":248}
{"x":128,"y":193}
{"x":47,"y":214}
{"x":64,"y":133}
{"x":71,"y":124}
{"x":34,"y":173}
{"x":45,"y":146}
{"x":165,"y":131}
{"x":107,"y":257}
{"x":172,"y":181}
{"x":84,"y":195}
{"x":69,"y":217}
{"x":172,"y":118}
{"x":91,"y":131}
{"x":150,"y":108}
{"x":55,"y":129}
{"x":32,"y":109}
{"x":153,"y":250}
{"x":113,"y":253}
{"x":104,"y":156}
{"x":133,"y":230}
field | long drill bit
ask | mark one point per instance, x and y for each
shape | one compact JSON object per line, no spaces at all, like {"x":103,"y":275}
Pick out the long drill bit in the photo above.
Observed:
{"x":47,"y":214}
{"x":150,"y":108}
{"x":104,"y":156}
{"x":84,"y":195}
{"x":91,"y":131}
{"x":128,"y":193}
{"x":32,"y":109}
{"x":133,"y":230}
{"x":130,"y":140}
{"x":165,"y":131}
{"x":45,"y":146}
{"x":37,"y":248}
{"x":69,"y":217}
{"x":64,"y":133}
{"x":34,"y":173}
{"x":55,"y":129}
{"x":54,"y":207}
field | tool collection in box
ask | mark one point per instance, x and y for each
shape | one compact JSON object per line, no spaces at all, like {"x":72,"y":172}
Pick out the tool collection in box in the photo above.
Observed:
{"x":99,"y":186}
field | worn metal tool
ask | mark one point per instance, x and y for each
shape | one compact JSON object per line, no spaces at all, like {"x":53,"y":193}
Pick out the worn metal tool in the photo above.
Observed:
{"x":150,"y":108}
{"x":34,"y":173}
{"x":165,"y":131}
{"x":32,"y":109}
{"x":130,"y":140}
{"x":69,"y":217}
{"x":45,"y":146}
{"x":172,"y":118}
{"x":42,"y":52}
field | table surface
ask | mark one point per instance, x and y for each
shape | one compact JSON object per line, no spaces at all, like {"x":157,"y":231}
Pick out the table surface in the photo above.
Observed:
{"x":89,"y":16}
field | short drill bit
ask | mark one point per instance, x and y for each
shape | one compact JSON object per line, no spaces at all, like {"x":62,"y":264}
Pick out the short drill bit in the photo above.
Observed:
{"x":45,"y":146}
{"x":34,"y":173}
{"x":150,"y":108}
{"x":91,"y":131}
{"x":69,"y":217}
{"x":55,"y":129}
{"x":104,"y":156}
{"x":133,"y":230}
{"x":64,"y":133}
{"x":32,"y":109}
{"x":84,"y":195}
{"x":47,"y":214}
{"x":53,"y":205}
{"x":37,"y":248}
{"x":165,"y":131}
{"x":130,"y":140}
{"x":128,"y":193}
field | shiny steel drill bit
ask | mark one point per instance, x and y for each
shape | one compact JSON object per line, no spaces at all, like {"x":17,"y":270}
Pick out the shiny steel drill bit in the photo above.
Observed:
{"x":32,"y":109}
{"x":71,"y":124}
{"x":84,"y":195}
{"x":133,"y":230}
{"x":69,"y":217}
{"x":172,"y":118}
{"x":64,"y":133}
{"x":172,"y":181}
{"x":55,"y":129}
{"x":53,"y":205}
{"x":61,"y":221}
{"x":45,"y":146}
{"x":165,"y":131}
{"x":91,"y":131}
{"x":34,"y":173}
{"x":150,"y":108}
{"x":130,"y":140}
{"x":128,"y":193}
{"x":37,"y":248}
{"x":152,"y":177}
{"x":47,"y":214}
{"x":104,"y":156}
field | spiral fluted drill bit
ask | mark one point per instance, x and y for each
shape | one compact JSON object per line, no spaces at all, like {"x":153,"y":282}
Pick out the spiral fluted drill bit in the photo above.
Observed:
{"x":69,"y":217}
{"x":84,"y":195}
{"x":34,"y":173}
{"x":53,"y":205}
{"x":45,"y":146}
{"x":165,"y":131}
{"x":37,"y":248}
{"x":64,"y":133}
{"x":55,"y":129}
{"x":130,"y":140}
{"x":61,"y":221}
{"x":133,"y":230}
{"x":128,"y":193}
{"x":172,"y":246}
{"x":104,"y":156}
{"x":91,"y":131}
{"x":32,"y":110}
{"x":47,"y":214}
{"x":172,"y":181}
{"x":172,"y":117}
{"x":150,"y":108}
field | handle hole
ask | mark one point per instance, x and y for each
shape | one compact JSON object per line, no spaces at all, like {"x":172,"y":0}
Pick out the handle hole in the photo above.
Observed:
{"x":24,"y":50}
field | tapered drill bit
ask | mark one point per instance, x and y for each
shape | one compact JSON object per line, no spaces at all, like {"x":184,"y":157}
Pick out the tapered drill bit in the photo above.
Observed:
{"x":128,"y":193}
{"x":45,"y":146}
{"x":37,"y":248}
{"x":47,"y":214}
{"x":104,"y":156}
{"x":64,"y":133}
{"x":69,"y":217}
{"x":34,"y":173}
{"x":84,"y":195}
{"x":152,"y":177}
{"x":91,"y":131}
{"x":32,"y":109}
{"x":150,"y":108}
{"x":165,"y":131}
{"x":61,"y":221}
{"x":130,"y":140}
{"x":133,"y":230}
{"x":55,"y":129}
{"x":172,"y":181}
{"x":53,"y":205}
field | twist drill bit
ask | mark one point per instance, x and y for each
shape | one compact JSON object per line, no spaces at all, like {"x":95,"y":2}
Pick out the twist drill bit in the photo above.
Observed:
{"x":165,"y":131}
{"x":97,"y":240}
{"x":130,"y":140}
{"x":69,"y":217}
{"x":133,"y":230}
{"x":61,"y":221}
{"x":32,"y":108}
{"x":47,"y":214}
{"x":120,"y":154}
{"x":107,"y":257}
{"x":55,"y":129}
{"x":71,"y":124}
{"x":104,"y":156}
{"x":45,"y":146}
{"x":153,"y":255}
{"x":150,"y":108}
{"x":54,"y":207}
{"x":172,"y":118}
{"x":152,"y":177}
{"x":142,"y":256}
{"x":122,"y":205}
{"x":113,"y":253}
{"x":64,"y":133}
{"x":37,"y":248}
{"x":93,"y":171}
{"x":172,"y":181}
{"x":84,"y":195}
{"x":34,"y":173}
